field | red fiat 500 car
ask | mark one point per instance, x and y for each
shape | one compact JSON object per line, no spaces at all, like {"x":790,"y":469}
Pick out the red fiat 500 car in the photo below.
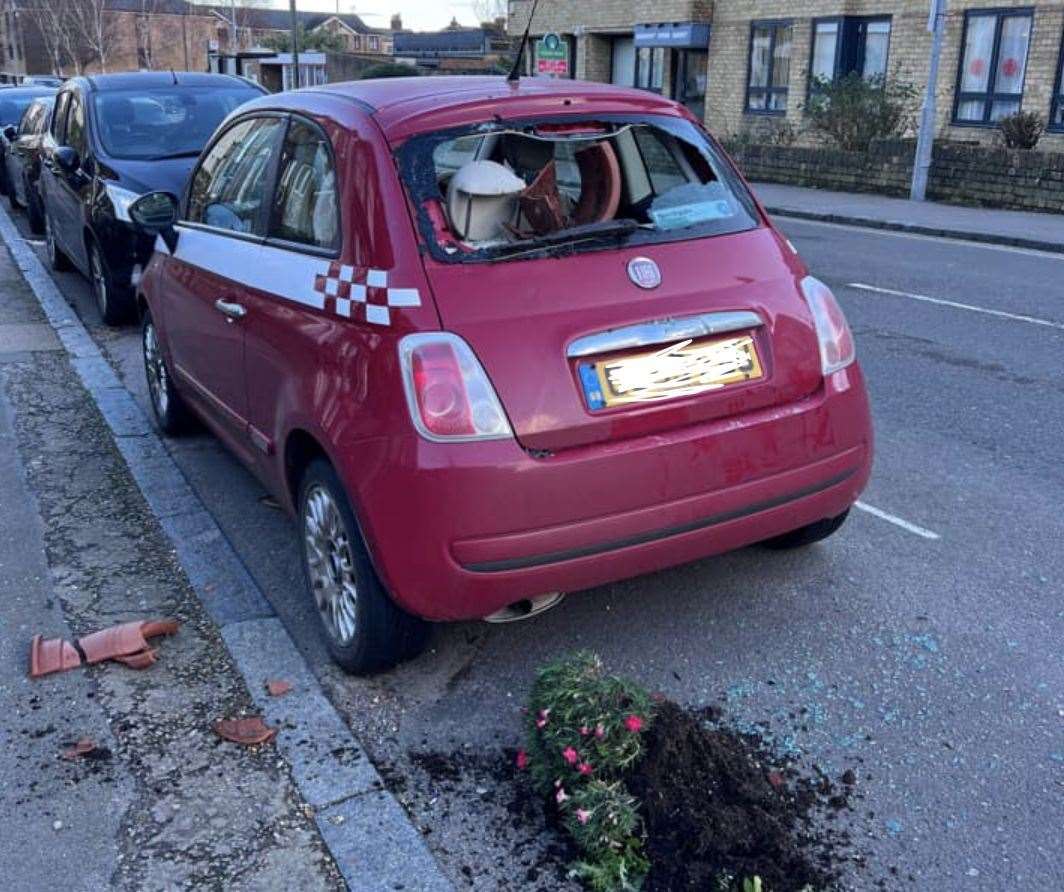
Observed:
{"x":490,"y":342}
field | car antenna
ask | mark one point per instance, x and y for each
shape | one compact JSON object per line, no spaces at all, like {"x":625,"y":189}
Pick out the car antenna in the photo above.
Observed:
{"x":173,"y":74}
{"x":515,"y":73}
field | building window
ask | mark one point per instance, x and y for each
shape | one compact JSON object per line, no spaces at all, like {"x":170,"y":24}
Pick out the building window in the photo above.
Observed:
{"x":1056,"y":118}
{"x":622,"y":61}
{"x":650,"y":68}
{"x":842,"y":46}
{"x":993,"y":64}
{"x":374,"y":44}
{"x":770,"y":67}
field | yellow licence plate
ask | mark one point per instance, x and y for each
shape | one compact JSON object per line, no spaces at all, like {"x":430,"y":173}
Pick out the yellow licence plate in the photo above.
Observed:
{"x":682,"y":369}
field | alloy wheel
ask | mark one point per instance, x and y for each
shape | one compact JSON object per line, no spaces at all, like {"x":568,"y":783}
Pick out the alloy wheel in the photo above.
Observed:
{"x":158,"y":381}
{"x":330,"y":564}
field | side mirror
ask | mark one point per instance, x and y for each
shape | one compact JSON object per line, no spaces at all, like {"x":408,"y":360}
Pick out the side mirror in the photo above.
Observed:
{"x":11,"y":133}
{"x":67,"y":159}
{"x":155,"y":214}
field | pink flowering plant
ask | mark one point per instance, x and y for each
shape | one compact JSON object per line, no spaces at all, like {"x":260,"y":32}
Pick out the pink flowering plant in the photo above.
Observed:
{"x":585,"y":732}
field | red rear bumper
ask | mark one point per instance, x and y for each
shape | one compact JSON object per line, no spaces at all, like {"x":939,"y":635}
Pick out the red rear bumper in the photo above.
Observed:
{"x":459,"y":531}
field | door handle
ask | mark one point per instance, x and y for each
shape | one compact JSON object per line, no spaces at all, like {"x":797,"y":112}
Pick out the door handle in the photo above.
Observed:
{"x":230,"y":310}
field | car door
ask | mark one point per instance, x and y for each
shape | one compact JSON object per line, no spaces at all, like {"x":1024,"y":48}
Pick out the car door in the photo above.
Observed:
{"x":284,"y":325}
{"x":18,"y":149}
{"x":53,"y":140}
{"x":219,"y":236}
{"x":72,"y":187}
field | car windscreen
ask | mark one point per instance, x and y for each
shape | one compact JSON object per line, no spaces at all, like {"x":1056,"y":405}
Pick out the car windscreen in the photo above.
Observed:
{"x":165,"y":122}
{"x":513,"y":189}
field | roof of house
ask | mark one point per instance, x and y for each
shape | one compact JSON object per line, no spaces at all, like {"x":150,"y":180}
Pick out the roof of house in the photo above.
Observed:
{"x":275,"y":19}
{"x":466,"y":41}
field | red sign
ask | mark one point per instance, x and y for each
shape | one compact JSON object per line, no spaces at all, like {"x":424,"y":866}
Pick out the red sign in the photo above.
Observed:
{"x":552,"y":66}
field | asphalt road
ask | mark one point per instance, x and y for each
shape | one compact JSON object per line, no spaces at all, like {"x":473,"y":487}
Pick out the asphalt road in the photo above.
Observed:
{"x":922,"y":645}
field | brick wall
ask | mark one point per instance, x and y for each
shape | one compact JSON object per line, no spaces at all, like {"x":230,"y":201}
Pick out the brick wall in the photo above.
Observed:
{"x":961,"y":174}
{"x":910,"y":46}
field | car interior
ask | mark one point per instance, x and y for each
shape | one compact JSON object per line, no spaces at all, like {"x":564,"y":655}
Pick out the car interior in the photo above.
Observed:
{"x":518,"y":185}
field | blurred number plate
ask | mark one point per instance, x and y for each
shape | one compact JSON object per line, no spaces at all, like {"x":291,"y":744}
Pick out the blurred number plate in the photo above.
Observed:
{"x":682,"y":369}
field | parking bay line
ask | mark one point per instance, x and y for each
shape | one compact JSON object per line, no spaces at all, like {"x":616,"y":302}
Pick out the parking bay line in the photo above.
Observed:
{"x":897,"y":521}
{"x":943,"y":302}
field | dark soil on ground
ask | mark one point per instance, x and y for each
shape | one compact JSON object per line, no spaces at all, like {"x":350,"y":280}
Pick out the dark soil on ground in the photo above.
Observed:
{"x":715,"y":803}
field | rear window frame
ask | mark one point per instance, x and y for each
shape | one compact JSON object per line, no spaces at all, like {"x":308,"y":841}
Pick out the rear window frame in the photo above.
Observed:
{"x":419,"y":182}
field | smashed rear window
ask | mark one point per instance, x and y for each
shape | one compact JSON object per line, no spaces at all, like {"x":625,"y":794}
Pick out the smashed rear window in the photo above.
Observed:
{"x":509,"y":189}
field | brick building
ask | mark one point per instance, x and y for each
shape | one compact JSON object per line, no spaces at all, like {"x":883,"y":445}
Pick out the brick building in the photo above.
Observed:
{"x":162,"y":34}
{"x":749,"y":64}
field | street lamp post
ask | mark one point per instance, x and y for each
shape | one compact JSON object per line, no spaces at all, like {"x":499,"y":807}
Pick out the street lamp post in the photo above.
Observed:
{"x":295,"y":44}
{"x":925,"y":138}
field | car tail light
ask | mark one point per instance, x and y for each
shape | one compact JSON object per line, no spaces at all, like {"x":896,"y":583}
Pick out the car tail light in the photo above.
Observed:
{"x":449,"y":395}
{"x":837,"y":348}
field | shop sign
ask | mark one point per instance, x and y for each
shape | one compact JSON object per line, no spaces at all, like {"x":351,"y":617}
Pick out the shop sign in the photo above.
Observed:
{"x":552,"y":56}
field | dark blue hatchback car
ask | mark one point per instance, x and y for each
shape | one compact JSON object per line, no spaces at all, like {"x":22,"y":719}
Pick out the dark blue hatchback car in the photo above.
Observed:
{"x":114,"y":137}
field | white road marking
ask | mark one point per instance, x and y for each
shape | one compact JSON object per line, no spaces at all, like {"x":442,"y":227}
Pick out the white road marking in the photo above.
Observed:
{"x":895,"y":233}
{"x":897,"y":521}
{"x":986,"y":311}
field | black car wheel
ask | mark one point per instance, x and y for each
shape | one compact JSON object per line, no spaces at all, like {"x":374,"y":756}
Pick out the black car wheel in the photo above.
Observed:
{"x":56,"y":257}
{"x":365,"y":631}
{"x":169,"y":408}
{"x":113,"y":302}
{"x":34,"y":212}
{"x":807,"y":535}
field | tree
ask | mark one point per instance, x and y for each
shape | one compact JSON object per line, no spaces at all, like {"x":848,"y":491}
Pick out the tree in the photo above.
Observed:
{"x":73,"y":32}
{"x":490,"y":10}
{"x":94,"y":28}
{"x":319,"y":40}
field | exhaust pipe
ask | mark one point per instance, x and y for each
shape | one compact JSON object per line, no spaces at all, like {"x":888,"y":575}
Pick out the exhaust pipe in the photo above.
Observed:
{"x":526,"y":608}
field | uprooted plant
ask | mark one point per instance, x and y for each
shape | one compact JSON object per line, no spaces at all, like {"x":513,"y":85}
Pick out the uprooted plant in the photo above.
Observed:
{"x":585,"y":732}
{"x":653,"y":794}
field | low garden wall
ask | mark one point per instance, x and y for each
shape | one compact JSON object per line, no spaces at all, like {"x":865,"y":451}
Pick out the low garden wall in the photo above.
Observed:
{"x":960,"y":173}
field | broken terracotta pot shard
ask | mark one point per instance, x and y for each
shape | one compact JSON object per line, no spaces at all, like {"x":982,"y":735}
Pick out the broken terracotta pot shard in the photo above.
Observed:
{"x":278,"y":687}
{"x":83,"y":747}
{"x":126,"y":643}
{"x":52,"y":655}
{"x":249,"y":731}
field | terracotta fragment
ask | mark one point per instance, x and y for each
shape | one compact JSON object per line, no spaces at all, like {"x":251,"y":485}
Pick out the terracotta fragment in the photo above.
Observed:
{"x":51,"y":655}
{"x":249,"y":731}
{"x":278,"y":687}
{"x":83,"y":747}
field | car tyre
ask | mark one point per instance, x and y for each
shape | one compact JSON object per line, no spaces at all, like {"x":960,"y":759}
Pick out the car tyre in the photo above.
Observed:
{"x":169,"y":408}
{"x":807,"y":535}
{"x":34,"y":212}
{"x":365,"y":631}
{"x":112,"y":302}
{"x":56,"y":258}
{"x":12,"y":199}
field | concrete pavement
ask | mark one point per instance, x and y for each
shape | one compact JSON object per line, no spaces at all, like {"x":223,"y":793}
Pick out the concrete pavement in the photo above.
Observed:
{"x":82,"y":548}
{"x":1017,"y":228}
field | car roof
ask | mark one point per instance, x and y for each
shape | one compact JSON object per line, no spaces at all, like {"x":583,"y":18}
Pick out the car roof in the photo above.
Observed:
{"x":32,"y":90}
{"x":132,"y":80}
{"x":403,"y":106}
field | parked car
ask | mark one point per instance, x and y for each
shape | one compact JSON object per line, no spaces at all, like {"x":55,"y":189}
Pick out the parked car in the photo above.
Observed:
{"x":22,"y":159}
{"x":489,"y":343}
{"x":112,"y":138}
{"x":42,"y":80}
{"x":13,"y":104}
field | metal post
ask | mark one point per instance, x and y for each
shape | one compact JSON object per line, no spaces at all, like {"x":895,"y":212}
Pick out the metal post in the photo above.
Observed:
{"x":295,"y":44}
{"x":926,"y":137}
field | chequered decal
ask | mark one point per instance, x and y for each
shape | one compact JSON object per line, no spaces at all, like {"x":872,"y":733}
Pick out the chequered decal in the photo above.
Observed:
{"x":352,"y":287}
